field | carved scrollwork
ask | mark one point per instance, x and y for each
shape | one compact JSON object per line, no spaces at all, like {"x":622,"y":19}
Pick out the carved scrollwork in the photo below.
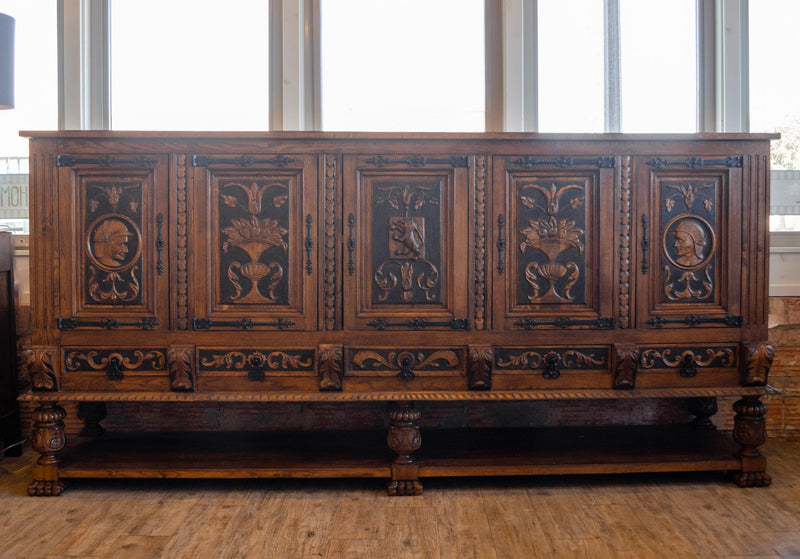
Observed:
{"x":275,"y":360}
{"x":687,"y":358}
{"x":407,"y":363}
{"x":126,"y":360}
{"x":551,"y":361}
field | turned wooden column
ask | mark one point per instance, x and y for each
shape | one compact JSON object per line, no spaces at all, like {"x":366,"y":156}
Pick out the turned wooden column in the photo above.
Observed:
{"x":404,"y":438}
{"x":749,"y":430}
{"x":702,"y":409}
{"x":92,"y":413}
{"x":47,"y":439}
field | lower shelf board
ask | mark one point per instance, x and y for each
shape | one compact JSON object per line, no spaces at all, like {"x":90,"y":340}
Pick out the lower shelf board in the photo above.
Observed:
{"x":462,"y":452}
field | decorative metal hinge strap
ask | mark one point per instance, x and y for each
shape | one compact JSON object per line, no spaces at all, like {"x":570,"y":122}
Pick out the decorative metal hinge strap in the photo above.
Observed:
{"x":104,"y":161}
{"x":309,"y":245}
{"x":243,"y":323}
{"x":240,"y":161}
{"x":696,"y":162}
{"x":501,"y":244}
{"x":645,"y":245}
{"x":565,"y":161}
{"x":160,"y":243}
{"x":420,"y":323}
{"x":109,"y":323}
{"x":351,"y":243}
{"x":419,"y":161}
{"x":731,"y":320}
{"x":565,"y":322}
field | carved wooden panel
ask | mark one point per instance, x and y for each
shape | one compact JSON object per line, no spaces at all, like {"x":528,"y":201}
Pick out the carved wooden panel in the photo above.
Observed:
{"x":519,"y":368}
{"x":259,"y":232}
{"x":687,"y":234}
{"x":115,"y":369}
{"x":405,"y":368}
{"x":256,"y":369}
{"x":553,"y":252}
{"x":407,"y":242}
{"x":690,"y":364}
{"x":115,"y":211}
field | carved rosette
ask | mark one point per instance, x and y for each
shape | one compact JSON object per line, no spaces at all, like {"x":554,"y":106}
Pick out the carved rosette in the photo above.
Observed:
{"x":756,"y":363}
{"x":331,"y":368}
{"x":47,"y":439}
{"x":626,"y":363}
{"x":180,"y":363}
{"x":481,"y":359}
{"x":749,"y":430}
{"x":41,"y":368}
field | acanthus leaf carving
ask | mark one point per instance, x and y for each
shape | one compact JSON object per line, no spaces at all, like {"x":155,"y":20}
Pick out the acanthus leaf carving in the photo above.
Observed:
{"x":331,"y":368}
{"x":180,"y":363}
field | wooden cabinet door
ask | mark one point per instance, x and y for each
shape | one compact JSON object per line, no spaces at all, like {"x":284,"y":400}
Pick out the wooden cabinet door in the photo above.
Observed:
{"x":406,"y":234}
{"x":553,"y":227}
{"x":690,"y":236}
{"x":255,"y":229}
{"x":113,"y":231}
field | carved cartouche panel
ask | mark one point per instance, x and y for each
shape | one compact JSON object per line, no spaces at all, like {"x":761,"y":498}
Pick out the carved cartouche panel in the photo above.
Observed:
{"x":407,"y":363}
{"x":689,"y":207}
{"x":258,"y":364}
{"x":552,"y":225}
{"x":406,"y":241}
{"x":115,"y":363}
{"x":253,"y":224}
{"x":112,"y":236}
{"x":688,"y":360}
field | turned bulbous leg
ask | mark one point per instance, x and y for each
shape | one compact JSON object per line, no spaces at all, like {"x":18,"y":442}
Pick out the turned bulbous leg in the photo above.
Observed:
{"x":749,"y":430}
{"x":47,"y":439}
{"x":404,"y":438}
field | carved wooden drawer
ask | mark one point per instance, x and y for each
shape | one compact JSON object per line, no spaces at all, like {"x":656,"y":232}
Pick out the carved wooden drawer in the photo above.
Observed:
{"x":112,"y":369}
{"x":521,"y":368}
{"x":688,"y":365}
{"x":256,"y":369}
{"x":369,"y":369}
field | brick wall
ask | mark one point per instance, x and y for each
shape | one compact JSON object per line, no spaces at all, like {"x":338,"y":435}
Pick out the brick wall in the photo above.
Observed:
{"x":783,"y":415}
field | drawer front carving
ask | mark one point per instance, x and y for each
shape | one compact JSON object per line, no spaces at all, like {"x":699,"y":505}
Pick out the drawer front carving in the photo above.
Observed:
{"x":115,"y":369}
{"x":406,"y":239}
{"x":687,"y":234}
{"x":689,"y":365}
{"x":552,"y":247}
{"x":256,"y":369}
{"x":116,"y":235}
{"x":519,"y":368}
{"x":400,"y":369}
{"x":262,"y":242}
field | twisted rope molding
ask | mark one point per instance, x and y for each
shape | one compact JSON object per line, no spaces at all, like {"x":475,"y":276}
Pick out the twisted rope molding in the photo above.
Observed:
{"x":397,"y":396}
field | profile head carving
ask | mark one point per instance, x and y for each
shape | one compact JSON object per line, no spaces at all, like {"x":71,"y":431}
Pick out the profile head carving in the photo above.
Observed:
{"x":110,"y":242}
{"x":692,"y":242}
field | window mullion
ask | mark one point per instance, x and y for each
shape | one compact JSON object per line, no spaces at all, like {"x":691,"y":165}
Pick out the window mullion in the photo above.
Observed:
{"x":612,"y":67}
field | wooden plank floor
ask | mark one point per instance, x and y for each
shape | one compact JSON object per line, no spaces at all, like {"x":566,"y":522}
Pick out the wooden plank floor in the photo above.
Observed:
{"x":637,"y":516}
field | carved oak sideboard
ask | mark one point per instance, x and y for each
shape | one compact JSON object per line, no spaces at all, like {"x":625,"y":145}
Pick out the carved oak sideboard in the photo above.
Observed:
{"x":398,"y":268}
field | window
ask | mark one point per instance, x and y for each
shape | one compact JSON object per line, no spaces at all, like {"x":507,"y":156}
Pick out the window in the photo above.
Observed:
{"x":189,"y":65}
{"x":774,"y":103}
{"x":658,"y":66}
{"x":570,"y":59}
{"x":414,"y":65}
{"x":35,"y":99}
